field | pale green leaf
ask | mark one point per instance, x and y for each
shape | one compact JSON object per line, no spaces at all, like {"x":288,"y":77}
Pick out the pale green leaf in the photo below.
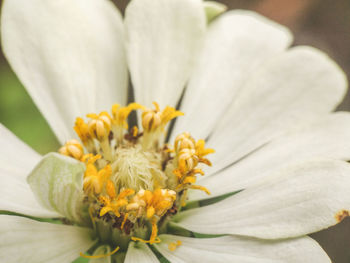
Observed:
{"x":57,"y":182}
{"x":213,"y":9}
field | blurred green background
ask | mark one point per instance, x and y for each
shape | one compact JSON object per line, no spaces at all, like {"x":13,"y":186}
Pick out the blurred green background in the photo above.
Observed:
{"x":19,"y":114}
{"x":324,"y":24}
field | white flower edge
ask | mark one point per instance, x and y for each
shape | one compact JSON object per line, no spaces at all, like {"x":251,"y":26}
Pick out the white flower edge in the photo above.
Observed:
{"x":163,"y":38}
{"x":69,"y":55}
{"x":140,"y":252}
{"x":293,"y":202}
{"x":235,"y":46}
{"x":327,"y":138}
{"x":26,"y":240}
{"x":16,"y":161}
{"x":289,"y":91}
{"x":241,"y":249}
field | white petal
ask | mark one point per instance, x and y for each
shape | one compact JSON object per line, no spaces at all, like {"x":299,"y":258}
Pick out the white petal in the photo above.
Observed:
{"x":295,"y":87}
{"x":101,"y":250}
{"x":68,"y":54}
{"x":16,"y":161}
{"x":328,"y":138}
{"x":26,"y":240}
{"x":15,"y":156}
{"x":57,"y":182}
{"x":163,"y":37}
{"x":140,"y":252}
{"x":236,"y":44}
{"x":241,"y":249}
{"x":297,"y":201}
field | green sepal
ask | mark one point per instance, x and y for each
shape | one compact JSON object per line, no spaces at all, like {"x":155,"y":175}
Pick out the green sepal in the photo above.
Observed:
{"x":57,"y":182}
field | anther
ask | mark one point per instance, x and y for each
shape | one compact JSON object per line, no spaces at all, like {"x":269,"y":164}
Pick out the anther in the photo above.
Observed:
{"x":155,"y":119}
{"x":184,"y":141}
{"x":82,"y":129}
{"x":119,"y":120}
{"x":188,"y":160}
{"x":100,"y":125}
{"x":72,"y":148}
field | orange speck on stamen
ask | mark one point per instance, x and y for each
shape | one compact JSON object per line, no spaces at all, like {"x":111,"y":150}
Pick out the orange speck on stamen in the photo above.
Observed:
{"x":173,"y":245}
{"x":135,"y":131}
{"x":178,"y":173}
{"x":341,"y":215}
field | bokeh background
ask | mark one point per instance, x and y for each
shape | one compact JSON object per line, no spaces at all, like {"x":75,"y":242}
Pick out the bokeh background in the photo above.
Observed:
{"x":324,"y":24}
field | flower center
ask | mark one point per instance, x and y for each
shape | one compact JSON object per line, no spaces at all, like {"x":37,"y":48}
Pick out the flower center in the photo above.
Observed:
{"x":134,"y":182}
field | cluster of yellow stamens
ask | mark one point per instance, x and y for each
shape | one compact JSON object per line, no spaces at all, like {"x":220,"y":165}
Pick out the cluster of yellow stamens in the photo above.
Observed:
{"x":133,"y":180}
{"x":154,"y":205}
{"x":119,"y":120}
{"x":114,"y":203}
{"x":94,"y":180}
{"x":155,"y":119}
{"x":188,"y":154}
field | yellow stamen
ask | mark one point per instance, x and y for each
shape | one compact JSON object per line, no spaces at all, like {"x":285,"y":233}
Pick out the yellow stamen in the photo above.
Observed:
{"x":184,"y":141}
{"x":154,"y":232}
{"x":150,"y":212}
{"x":201,"y":151}
{"x":198,"y":187}
{"x":94,"y":180}
{"x":205,"y":161}
{"x":100,"y":125}
{"x":105,"y":210}
{"x":188,"y":160}
{"x":134,"y":131}
{"x":72,"y":148}
{"x":90,"y":158}
{"x":110,"y":189}
{"x":92,"y":217}
{"x":125,"y":218}
{"x":155,"y":119}
{"x":178,"y":173}
{"x":197,"y":171}
{"x":100,"y":256}
{"x":120,"y":114}
{"x":82,"y":129}
{"x":189,"y":180}
{"x":170,"y":113}
{"x":126,"y":193}
{"x":113,"y":204}
{"x":154,"y":238}
{"x":156,"y":105}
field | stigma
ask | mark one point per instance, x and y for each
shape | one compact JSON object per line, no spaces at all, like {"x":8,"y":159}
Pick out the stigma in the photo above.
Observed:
{"x":134,"y":182}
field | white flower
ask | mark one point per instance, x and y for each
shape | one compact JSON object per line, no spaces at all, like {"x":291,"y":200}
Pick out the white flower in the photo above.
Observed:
{"x":265,"y":108}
